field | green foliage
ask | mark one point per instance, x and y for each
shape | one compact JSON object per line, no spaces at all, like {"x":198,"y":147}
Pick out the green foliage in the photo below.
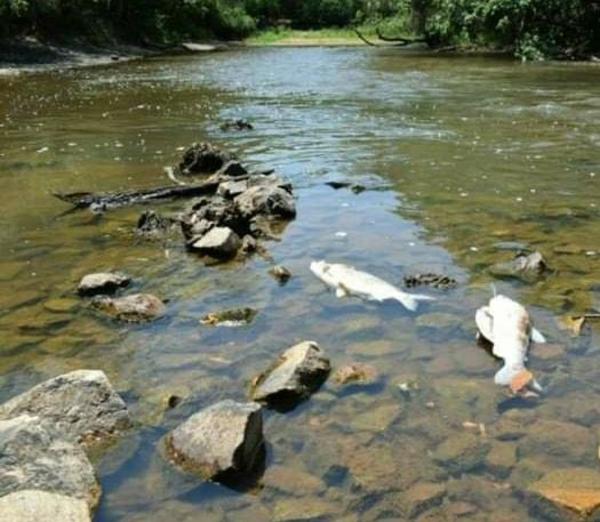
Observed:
{"x":533,"y":29}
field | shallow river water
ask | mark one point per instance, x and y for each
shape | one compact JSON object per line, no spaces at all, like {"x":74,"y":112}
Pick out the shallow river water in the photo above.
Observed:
{"x":466,"y":161}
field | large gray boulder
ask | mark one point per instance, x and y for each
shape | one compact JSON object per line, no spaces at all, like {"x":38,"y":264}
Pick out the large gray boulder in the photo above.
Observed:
{"x":41,"y":506}
{"x":81,"y":404}
{"x":135,"y":308}
{"x":220,"y":442}
{"x":102,"y":283}
{"x":266,"y":200}
{"x":35,"y":456}
{"x":298,"y":373}
{"x":218,"y":242}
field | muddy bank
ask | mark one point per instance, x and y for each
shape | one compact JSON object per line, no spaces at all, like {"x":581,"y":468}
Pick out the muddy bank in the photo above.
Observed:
{"x":30,"y":54}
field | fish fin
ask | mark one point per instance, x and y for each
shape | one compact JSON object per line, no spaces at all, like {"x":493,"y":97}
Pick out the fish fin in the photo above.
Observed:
{"x":494,"y":291}
{"x":411,"y":301}
{"x":341,"y":291}
{"x":537,"y":336}
{"x":485,"y":323}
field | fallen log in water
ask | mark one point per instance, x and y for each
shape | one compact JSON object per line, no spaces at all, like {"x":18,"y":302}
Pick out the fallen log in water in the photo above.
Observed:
{"x":110,"y":200}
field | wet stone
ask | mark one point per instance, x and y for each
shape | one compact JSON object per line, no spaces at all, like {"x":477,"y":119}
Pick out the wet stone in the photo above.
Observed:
{"x":61,"y":305}
{"x":34,"y":456}
{"x":293,"y":481}
{"x":237,"y":125}
{"x":230,"y":318}
{"x":461,"y":452}
{"x":233,"y":169}
{"x":150,"y":224}
{"x":563,"y":441}
{"x":203,"y":158}
{"x":102,"y":283}
{"x":218,"y":242}
{"x":376,"y":418}
{"x":501,"y":458}
{"x":135,"y":308}
{"x":280,"y":273}
{"x":356,"y":373}
{"x":298,"y":373}
{"x":522,"y":266}
{"x":81,"y":404}
{"x":37,"y":505}
{"x":269,"y":200}
{"x":430,"y":279}
{"x":563,"y":493}
{"x":222,"y":442}
{"x":422,"y":497}
{"x":304,"y":509}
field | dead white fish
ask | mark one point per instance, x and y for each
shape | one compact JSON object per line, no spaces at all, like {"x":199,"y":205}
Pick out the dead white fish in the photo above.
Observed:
{"x":348,"y":281}
{"x":507,"y":325}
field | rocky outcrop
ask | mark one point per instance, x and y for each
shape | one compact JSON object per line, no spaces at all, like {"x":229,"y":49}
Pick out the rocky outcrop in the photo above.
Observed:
{"x":35,"y":456}
{"x":102,"y":283}
{"x":135,"y":308}
{"x":81,"y":404}
{"x":222,"y":442}
{"x":35,"y":505}
{"x":218,"y":242}
{"x":298,"y":373}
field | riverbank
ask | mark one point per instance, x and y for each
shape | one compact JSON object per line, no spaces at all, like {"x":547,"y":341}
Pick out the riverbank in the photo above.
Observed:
{"x":312,"y":38}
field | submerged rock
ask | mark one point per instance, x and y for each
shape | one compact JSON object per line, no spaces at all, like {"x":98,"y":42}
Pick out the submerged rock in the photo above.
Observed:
{"x":218,"y":242}
{"x":298,"y":373}
{"x":461,"y":452}
{"x":356,"y":373}
{"x":304,"y":509}
{"x":81,"y":404}
{"x":220,"y":442}
{"x":102,"y":283}
{"x":293,"y":481}
{"x":564,"y":494}
{"x":150,"y":224}
{"x":522,"y":265}
{"x":429,"y":279}
{"x":280,"y":273}
{"x":230,"y":318}
{"x":203,"y":158}
{"x":135,"y":308}
{"x":33,"y":456}
{"x":232,"y":169}
{"x":36,"y":505}
{"x":422,"y":497}
{"x":240,"y":124}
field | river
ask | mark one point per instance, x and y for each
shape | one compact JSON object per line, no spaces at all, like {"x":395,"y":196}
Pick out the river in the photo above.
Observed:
{"x":465,"y":159}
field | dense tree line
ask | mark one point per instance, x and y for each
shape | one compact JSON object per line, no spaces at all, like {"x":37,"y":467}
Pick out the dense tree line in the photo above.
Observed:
{"x":532,"y":28}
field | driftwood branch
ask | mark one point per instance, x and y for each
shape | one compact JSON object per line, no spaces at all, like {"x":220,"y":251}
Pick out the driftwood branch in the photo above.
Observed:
{"x":106,"y":201}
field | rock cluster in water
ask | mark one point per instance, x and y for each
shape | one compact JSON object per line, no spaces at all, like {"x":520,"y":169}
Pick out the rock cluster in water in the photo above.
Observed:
{"x":45,"y":473}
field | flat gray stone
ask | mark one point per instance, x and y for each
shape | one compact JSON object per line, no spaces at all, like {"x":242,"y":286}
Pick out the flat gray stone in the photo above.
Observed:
{"x":41,"y":506}
{"x":102,"y":283}
{"x":298,"y":373}
{"x":218,"y":442}
{"x":81,"y":404}
{"x":218,"y":242}
{"x":34,"y":456}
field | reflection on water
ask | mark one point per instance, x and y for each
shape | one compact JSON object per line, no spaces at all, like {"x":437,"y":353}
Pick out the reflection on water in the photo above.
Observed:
{"x":472,"y":159}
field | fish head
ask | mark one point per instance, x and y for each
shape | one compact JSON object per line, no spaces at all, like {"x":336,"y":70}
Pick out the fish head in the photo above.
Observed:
{"x":322,"y":270}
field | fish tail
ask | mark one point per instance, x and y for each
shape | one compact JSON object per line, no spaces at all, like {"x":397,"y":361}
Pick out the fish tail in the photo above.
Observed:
{"x":506,"y":374}
{"x":411,"y":301}
{"x":494,"y":291}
